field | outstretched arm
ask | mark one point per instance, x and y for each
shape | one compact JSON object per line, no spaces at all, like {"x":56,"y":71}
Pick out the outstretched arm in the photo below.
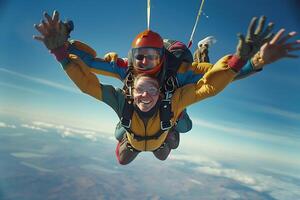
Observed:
{"x":83,"y":51}
{"x":225,"y":70}
{"x":54,"y":35}
{"x":114,"y":67}
{"x":85,"y":80}
{"x":198,"y":70}
{"x":278,"y":48}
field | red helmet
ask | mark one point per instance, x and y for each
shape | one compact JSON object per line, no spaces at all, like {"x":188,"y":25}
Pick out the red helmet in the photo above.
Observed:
{"x":149,"y":39}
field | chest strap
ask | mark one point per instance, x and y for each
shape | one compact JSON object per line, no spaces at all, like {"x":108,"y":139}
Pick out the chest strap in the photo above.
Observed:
{"x":127,"y":114}
{"x":165,"y":119}
{"x":143,"y":138}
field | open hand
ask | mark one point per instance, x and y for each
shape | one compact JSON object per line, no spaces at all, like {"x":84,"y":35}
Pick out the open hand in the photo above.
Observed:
{"x":54,"y":33}
{"x":279,"y":48}
{"x":255,"y":38}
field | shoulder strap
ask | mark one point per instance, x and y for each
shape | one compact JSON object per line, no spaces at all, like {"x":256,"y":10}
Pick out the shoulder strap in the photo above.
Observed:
{"x":128,"y":105}
{"x":165,"y":119}
{"x":127,"y":114}
{"x":166,"y":115}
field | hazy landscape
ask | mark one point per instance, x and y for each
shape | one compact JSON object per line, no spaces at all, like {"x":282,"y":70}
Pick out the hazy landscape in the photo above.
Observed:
{"x":46,"y":161}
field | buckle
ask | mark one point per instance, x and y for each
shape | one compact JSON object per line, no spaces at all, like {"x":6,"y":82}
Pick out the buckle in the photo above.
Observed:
{"x":170,"y":86}
{"x":165,"y":125}
{"x":168,"y":96}
{"x":129,"y":93}
{"x":125,"y":123}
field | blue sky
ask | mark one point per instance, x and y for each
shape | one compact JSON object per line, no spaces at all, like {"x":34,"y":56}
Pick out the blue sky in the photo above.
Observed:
{"x":255,"y":121}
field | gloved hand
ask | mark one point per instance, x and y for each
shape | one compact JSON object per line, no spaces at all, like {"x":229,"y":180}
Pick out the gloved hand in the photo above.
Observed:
{"x":201,"y":54}
{"x":111,"y":57}
{"x":54,"y":33}
{"x":255,"y":38}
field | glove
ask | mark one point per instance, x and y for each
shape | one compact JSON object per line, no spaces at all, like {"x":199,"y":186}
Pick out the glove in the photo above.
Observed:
{"x":54,"y":33}
{"x":248,"y":47}
{"x":111,"y":57}
{"x":255,"y":38}
{"x":57,"y":38}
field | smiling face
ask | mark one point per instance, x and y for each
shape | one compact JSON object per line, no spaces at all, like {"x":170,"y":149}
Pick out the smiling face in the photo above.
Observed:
{"x":145,"y":93}
{"x":147,"y":59}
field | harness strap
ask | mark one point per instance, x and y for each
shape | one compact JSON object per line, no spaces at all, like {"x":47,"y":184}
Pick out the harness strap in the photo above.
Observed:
{"x":128,"y":82}
{"x":169,"y":80}
{"x":152,"y":137}
{"x":127,"y":114}
{"x":166,"y":115}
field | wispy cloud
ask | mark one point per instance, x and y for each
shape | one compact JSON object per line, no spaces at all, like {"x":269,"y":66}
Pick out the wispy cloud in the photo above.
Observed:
{"x":63,"y":130}
{"x":263,"y":108}
{"x":236,"y":129}
{"x":36,"y":167}
{"x":199,"y":160}
{"x":280,"y":188}
{"x":276,"y":111}
{"x":228,"y":173}
{"x":276,"y":187}
{"x":4,"y":125}
{"x":69,"y":131}
{"x":40,"y":81}
{"x":195,"y":181}
{"x":288,"y":80}
{"x":33,"y":127}
{"x":18,"y":87}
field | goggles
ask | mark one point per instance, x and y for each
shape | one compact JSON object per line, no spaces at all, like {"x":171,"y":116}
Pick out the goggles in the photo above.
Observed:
{"x":152,"y":56}
{"x":149,"y":57}
{"x":153,"y":91}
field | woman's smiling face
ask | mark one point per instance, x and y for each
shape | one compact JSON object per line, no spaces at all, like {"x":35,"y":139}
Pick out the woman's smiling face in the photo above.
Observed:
{"x":145,"y":93}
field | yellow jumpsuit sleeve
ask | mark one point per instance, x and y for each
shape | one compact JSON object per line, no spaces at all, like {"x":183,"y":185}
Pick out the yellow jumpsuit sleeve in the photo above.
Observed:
{"x":85,"y":80}
{"x":201,"y":68}
{"x":213,"y":82}
{"x":196,"y":68}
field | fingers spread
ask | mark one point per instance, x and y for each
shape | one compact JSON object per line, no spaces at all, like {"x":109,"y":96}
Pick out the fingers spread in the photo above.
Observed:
{"x":268,"y":38}
{"x":261,"y":25}
{"x":55,"y":17}
{"x":268,"y":31}
{"x":48,"y":17}
{"x":40,"y":29}
{"x":56,"y":20}
{"x":44,"y":24}
{"x":251,"y":28}
{"x":278,"y":35}
{"x":241,"y":38}
{"x":288,"y":36}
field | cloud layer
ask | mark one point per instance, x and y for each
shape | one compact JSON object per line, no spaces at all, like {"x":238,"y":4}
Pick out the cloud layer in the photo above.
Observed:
{"x":4,"y":125}
{"x":278,"y":186}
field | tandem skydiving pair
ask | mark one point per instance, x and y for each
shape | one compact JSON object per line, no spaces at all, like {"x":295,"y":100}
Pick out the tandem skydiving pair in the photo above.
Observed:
{"x":160,"y":80}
